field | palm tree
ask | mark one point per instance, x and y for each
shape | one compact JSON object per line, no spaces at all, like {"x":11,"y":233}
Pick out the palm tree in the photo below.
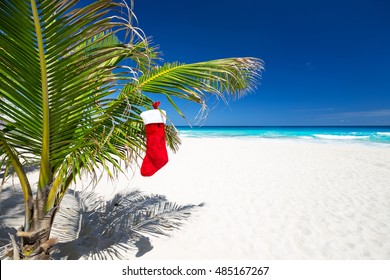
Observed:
{"x":71,"y":94}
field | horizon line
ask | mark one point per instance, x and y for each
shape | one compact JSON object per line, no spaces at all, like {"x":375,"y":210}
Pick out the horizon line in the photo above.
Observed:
{"x":199,"y":126}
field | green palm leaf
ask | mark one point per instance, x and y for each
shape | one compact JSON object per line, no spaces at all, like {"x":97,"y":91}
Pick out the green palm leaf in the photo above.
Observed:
{"x":231,"y":77}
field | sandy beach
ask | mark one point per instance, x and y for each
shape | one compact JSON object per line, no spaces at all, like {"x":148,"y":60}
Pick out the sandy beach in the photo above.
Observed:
{"x":265,"y":199}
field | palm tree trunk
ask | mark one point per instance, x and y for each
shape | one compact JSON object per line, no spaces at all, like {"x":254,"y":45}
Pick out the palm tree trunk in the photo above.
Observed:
{"x":36,"y":243}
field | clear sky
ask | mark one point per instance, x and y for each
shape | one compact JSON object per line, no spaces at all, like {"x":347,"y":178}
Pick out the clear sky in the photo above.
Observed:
{"x":327,"y":62}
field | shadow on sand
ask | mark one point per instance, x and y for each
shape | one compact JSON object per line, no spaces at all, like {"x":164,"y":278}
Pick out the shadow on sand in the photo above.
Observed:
{"x":27,"y":168}
{"x":89,"y":227}
{"x":11,"y":213}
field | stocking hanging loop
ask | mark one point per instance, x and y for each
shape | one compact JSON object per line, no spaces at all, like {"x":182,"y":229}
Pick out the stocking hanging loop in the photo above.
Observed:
{"x":156,"y":104}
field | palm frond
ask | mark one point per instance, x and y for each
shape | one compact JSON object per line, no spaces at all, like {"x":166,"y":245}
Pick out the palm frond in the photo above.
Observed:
{"x":172,"y":137}
{"x":224,"y":78}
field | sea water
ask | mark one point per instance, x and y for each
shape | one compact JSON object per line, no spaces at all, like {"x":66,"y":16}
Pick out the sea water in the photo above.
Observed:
{"x":366,"y":134}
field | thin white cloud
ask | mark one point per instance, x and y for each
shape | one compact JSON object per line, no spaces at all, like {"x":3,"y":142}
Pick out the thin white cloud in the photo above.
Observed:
{"x":360,"y":114}
{"x":315,"y":110}
{"x":310,"y":66}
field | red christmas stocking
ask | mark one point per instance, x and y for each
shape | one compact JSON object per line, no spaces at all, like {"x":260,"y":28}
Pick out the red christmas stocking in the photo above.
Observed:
{"x":156,"y":151}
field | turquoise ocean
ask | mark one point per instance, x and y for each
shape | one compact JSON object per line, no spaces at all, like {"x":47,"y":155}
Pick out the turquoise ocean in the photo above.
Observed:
{"x":361,"y":134}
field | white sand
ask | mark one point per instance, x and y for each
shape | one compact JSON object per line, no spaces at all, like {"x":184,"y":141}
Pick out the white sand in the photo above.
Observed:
{"x":274,"y":199}
{"x":270,"y":199}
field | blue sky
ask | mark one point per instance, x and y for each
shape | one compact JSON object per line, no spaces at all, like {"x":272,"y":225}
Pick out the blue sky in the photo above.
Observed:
{"x":327,"y":62}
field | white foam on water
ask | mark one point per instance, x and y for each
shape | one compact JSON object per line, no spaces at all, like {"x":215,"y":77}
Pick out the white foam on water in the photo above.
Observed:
{"x":384,"y":133}
{"x":340,"y":137}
